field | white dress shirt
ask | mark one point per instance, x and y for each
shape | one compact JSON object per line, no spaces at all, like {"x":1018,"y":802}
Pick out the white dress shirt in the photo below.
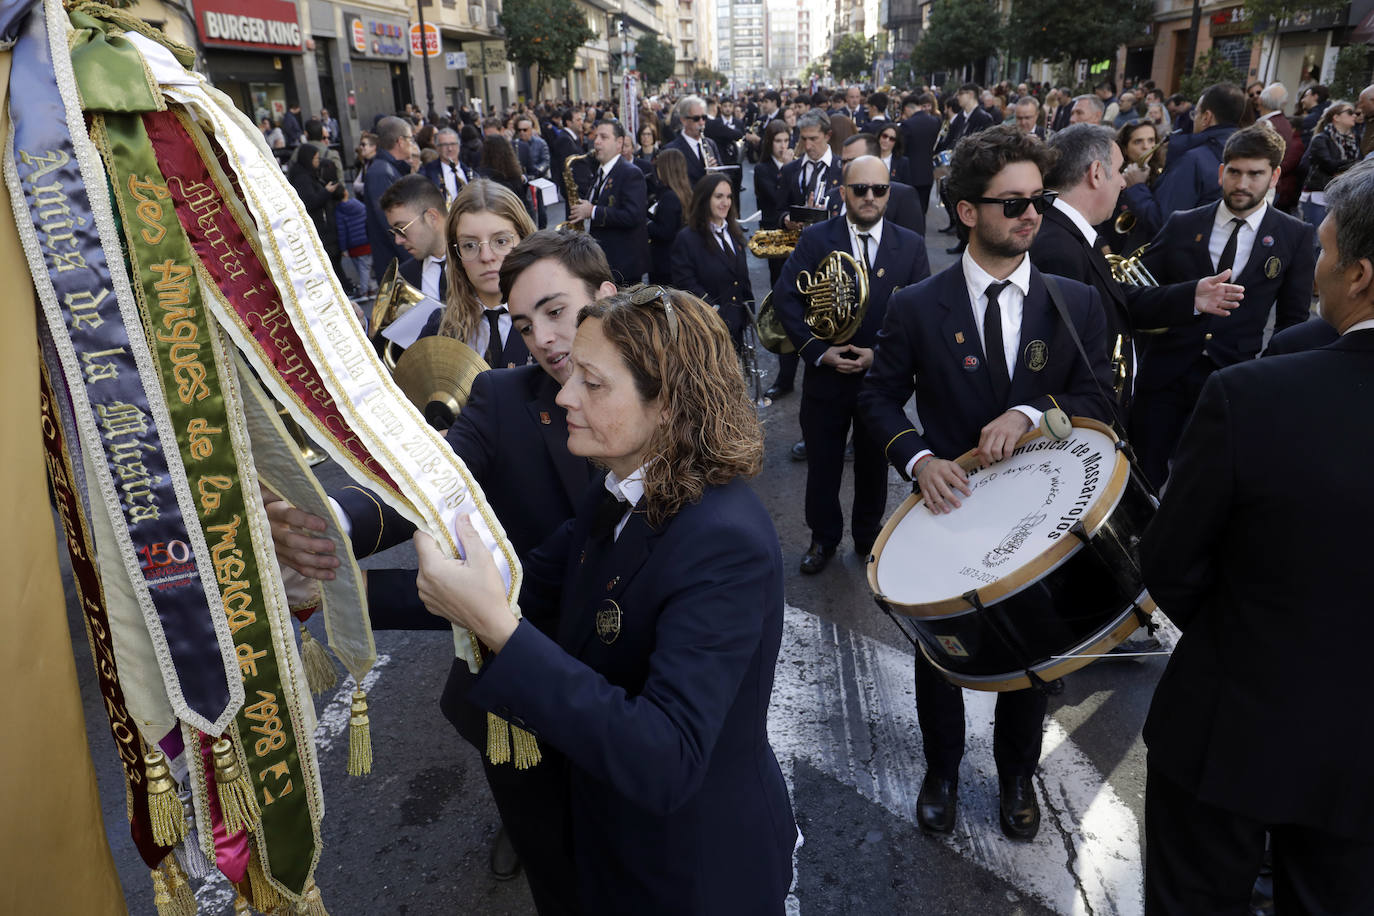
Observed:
{"x":1245,"y":241}
{"x":430,"y":275}
{"x":722,"y":237}
{"x":452,"y":182}
{"x":603,"y":175}
{"x":1079,"y":221}
{"x":1011,"y":304}
{"x":483,"y":335}
{"x":631,"y":490}
{"x":809,"y":165}
{"x":1359,"y":326}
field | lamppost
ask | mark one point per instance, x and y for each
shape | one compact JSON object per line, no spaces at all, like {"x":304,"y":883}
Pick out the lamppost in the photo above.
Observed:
{"x":424,"y":63}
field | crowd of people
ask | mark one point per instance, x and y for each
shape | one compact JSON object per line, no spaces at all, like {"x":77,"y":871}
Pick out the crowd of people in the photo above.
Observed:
{"x":658,"y":792}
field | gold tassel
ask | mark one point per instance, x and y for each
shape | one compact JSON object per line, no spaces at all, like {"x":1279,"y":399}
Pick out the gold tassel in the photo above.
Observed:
{"x":498,"y":739}
{"x":526,"y":748}
{"x":241,"y":907}
{"x":238,"y":805}
{"x":266,"y":897}
{"x":171,"y":892}
{"x":164,"y":805}
{"x":319,"y":670}
{"x":312,"y":904}
{"x":359,"y":737}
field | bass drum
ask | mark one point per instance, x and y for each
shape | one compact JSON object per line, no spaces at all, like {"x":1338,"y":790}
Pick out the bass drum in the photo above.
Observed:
{"x":1035,"y":575}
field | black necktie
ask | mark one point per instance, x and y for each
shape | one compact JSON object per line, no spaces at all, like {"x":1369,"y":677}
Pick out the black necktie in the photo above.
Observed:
{"x":596,"y":189}
{"x":725,"y":246}
{"x":868,"y":263}
{"x":609,"y":511}
{"x":494,"y":348}
{"x":1228,"y":254}
{"x":701,"y":151}
{"x":993,"y":347}
{"x":814,"y":172}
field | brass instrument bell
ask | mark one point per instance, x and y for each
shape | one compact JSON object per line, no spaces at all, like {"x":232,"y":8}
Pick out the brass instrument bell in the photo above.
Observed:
{"x":395,"y":297}
{"x":435,"y":374}
{"x":836,"y":297}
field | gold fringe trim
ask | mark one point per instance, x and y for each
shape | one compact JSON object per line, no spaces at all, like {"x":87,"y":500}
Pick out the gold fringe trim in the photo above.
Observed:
{"x":312,"y":904}
{"x":171,"y":891}
{"x":359,"y":737}
{"x":320,"y":674}
{"x":498,"y":739}
{"x":526,"y":748}
{"x":238,"y":805}
{"x":266,"y":897}
{"x":241,"y":906}
{"x":164,"y":805}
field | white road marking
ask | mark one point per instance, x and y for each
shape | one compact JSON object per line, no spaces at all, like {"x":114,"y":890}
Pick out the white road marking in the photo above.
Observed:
{"x":845,"y":704}
{"x":216,"y":895}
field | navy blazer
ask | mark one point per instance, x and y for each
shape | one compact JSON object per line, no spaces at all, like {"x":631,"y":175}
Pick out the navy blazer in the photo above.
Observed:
{"x":664,"y":224}
{"x":1060,"y":249}
{"x":795,"y":195}
{"x":900,"y":261}
{"x":769,"y":194}
{"x":1310,"y":335}
{"x":560,"y":148}
{"x":678,"y":807}
{"x":702,"y":268}
{"x":930,"y":346}
{"x":900,"y":171}
{"x":513,"y":354}
{"x":904,"y":207}
{"x":961,"y":125}
{"x":412,"y":272}
{"x":433,"y":170}
{"x":1283,"y":245}
{"x":617,"y":222}
{"x":1268,"y":584}
{"x":696,"y":170}
{"x":919,"y":133}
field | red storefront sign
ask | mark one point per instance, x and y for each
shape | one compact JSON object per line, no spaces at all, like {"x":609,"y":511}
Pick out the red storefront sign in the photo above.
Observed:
{"x":264,"y":25}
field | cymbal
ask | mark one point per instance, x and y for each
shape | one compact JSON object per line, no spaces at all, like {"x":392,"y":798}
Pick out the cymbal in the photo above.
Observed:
{"x":436,"y":374}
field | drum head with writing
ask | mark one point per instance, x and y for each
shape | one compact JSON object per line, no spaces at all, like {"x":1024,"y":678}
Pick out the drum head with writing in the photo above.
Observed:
{"x":1015,"y":527}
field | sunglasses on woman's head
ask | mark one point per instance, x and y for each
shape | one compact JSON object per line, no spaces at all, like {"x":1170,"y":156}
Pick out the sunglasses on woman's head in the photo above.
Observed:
{"x":657,"y":295}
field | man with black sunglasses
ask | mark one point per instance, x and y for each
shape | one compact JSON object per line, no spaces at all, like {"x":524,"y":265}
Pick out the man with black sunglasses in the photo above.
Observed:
{"x":983,"y":348}
{"x":892,"y":257}
{"x":700,"y":150}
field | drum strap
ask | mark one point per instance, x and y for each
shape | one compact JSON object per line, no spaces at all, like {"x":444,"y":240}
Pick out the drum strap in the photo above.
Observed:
{"x":1057,"y":297}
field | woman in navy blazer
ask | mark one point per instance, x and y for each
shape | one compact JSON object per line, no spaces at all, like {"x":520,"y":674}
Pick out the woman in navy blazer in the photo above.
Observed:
{"x":709,"y":256}
{"x":890,"y":147}
{"x":768,"y":189}
{"x":669,"y":213}
{"x":657,"y":686}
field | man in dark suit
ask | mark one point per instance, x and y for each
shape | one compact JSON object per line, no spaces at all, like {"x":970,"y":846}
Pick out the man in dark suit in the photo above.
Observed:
{"x":726,"y":132}
{"x":1087,"y":177}
{"x":853,"y":107}
{"x":415,"y":210}
{"x":512,"y":436}
{"x":976,"y":386}
{"x":446,"y":171}
{"x":1027,"y":111}
{"x":700,"y":150}
{"x":813,"y":178}
{"x":1268,"y":252}
{"x":876,"y":113}
{"x":567,"y":141}
{"x":970,"y":119}
{"x":894,"y":257}
{"x":617,"y":206}
{"x":394,"y":142}
{"x":902,"y":206}
{"x":920,"y":130}
{"x":1259,"y":724}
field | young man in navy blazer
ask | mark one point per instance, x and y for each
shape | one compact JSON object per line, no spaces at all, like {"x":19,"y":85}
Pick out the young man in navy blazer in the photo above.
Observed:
{"x":616,"y":206}
{"x":1261,"y":723}
{"x":513,"y":438}
{"x":1268,"y":252}
{"x":835,"y":372}
{"x":962,"y":342}
{"x":920,"y":131}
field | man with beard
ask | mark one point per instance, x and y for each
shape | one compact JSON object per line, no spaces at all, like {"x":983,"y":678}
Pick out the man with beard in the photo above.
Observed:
{"x":893,"y":257}
{"x":983,"y":348}
{"x":1268,"y":252}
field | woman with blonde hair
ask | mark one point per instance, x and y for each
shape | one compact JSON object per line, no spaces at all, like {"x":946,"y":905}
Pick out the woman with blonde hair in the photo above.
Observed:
{"x":485,"y":221}
{"x":656,"y":687}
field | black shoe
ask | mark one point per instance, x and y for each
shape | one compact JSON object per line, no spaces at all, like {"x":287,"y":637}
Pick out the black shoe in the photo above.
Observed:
{"x":777,"y":390}
{"x":505,"y":864}
{"x":816,"y":558}
{"x":799,"y":450}
{"x":957,"y":249}
{"x":1019,"y":809}
{"x":937,"y":804}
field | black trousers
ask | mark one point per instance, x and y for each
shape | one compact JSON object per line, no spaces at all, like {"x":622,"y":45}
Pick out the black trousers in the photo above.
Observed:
{"x":1202,"y":861}
{"x":1159,"y":416}
{"x":1017,"y":731}
{"x":828,"y":411}
{"x":923,"y":195}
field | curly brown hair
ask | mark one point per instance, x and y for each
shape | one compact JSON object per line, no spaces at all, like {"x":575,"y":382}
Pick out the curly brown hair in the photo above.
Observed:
{"x":711,"y":433}
{"x":978,"y":158}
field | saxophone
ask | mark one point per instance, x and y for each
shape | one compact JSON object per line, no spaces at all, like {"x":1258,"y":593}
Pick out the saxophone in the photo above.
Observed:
{"x":574,"y":198}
